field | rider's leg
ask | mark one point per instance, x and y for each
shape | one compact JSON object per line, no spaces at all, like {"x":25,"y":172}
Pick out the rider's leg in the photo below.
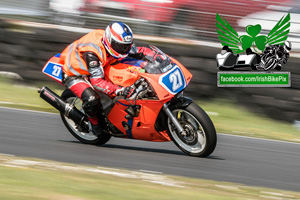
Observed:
{"x":91,"y":101}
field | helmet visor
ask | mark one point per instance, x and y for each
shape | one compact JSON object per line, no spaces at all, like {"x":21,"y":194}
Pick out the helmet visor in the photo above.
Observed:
{"x":120,"y":47}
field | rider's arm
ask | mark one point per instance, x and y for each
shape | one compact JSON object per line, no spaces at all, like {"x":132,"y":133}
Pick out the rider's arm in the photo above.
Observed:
{"x":95,"y":68}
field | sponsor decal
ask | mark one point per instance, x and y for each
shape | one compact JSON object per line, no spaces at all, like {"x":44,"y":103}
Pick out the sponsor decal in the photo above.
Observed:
{"x":49,"y":95}
{"x":127,"y":38}
{"x":118,"y":78}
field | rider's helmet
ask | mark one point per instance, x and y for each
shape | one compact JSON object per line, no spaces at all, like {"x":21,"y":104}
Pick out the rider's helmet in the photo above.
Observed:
{"x":118,"y":39}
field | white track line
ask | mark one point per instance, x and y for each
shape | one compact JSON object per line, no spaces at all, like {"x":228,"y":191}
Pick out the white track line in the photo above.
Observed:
{"x":23,"y":110}
{"x":264,"y":139}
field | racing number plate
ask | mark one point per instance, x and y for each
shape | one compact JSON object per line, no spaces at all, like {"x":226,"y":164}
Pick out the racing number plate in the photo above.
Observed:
{"x":173,"y":81}
{"x":54,"y":69}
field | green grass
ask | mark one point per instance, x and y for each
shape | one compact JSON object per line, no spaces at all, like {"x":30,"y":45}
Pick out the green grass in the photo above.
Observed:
{"x":51,"y":183}
{"x":230,"y":118}
{"x":234,"y":119}
{"x":18,"y":95}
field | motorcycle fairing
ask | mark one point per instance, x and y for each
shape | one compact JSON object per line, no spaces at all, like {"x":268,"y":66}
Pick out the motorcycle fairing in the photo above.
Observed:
{"x":149,"y":110}
{"x":53,"y":68}
{"x":166,"y":86}
{"x":125,"y":75}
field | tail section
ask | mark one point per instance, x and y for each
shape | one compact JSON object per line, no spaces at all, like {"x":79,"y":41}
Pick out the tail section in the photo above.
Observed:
{"x":53,"y":68}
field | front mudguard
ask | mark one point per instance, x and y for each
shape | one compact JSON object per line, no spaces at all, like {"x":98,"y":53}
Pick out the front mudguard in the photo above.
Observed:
{"x":175,"y":103}
{"x":180,"y":102}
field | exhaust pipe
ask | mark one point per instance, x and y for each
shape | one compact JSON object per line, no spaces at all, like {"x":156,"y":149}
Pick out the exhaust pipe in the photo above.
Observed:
{"x":69,"y":111}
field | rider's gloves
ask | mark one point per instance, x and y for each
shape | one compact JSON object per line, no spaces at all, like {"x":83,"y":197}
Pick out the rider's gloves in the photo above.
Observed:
{"x":128,"y":91}
{"x":125,"y":92}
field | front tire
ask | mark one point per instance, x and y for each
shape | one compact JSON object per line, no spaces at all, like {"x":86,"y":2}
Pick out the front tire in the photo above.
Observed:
{"x":200,"y":137}
{"x":270,"y":64}
{"x":86,"y":138}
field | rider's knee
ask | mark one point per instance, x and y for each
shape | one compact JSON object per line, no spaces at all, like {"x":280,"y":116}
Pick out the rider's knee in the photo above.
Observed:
{"x":91,"y":102}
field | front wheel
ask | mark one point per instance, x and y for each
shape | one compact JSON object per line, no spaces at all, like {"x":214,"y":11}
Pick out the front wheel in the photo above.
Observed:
{"x":199,"y":136}
{"x":270,"y":64}
{"x":87,"y":138}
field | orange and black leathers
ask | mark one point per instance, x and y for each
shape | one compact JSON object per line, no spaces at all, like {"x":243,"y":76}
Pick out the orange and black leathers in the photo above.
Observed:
{"x":88,"y":56}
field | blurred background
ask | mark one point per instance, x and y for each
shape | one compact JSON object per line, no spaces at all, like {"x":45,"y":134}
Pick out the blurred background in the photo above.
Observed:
{"x":32,"y":31}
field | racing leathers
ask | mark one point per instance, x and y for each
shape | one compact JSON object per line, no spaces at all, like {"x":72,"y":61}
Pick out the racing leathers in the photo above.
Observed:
{"x":83,"y":63}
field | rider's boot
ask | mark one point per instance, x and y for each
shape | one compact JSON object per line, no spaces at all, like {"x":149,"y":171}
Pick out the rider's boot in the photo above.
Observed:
{"x":103,"y":121}
{"x":99,"y":123}
{"x":96,"y":129}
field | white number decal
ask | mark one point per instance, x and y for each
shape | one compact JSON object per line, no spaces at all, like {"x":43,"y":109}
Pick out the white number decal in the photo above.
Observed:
{"x":176,"y":80}
{"x":56,"y":70}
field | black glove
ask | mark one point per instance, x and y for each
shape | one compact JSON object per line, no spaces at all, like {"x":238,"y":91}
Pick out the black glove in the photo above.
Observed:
{"x":127,"y":92}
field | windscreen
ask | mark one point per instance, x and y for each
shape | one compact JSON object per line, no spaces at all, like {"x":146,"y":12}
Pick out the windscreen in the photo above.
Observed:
{"x":157,"y":62}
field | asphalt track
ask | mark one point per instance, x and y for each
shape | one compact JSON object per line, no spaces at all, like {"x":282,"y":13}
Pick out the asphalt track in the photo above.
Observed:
{"x":236,"y":159}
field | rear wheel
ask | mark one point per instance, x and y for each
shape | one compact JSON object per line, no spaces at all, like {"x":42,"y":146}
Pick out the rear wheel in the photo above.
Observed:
{"x":87,"y":138}
{"x":199,"y":136}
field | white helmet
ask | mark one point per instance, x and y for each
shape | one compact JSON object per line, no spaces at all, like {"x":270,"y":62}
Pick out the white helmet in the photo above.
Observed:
{"x":118,"y":39}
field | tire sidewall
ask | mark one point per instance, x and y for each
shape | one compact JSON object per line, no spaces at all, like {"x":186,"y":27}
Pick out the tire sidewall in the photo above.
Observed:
{"x":270,"y":63}
{"x":208,"y":127}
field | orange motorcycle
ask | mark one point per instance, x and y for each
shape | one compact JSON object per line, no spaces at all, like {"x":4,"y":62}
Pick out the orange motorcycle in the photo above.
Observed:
{"x":157,"y":111}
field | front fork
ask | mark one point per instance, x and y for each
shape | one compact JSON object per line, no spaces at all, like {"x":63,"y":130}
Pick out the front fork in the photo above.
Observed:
{"x":179,"y":102}
{"x":173,"y":119}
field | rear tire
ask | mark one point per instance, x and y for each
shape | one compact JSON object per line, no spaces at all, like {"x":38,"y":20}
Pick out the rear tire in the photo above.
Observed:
{"x":86,"y":138}
{"x":200,"y":139}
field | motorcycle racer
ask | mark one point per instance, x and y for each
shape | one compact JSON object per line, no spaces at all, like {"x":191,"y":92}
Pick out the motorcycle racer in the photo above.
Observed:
{"x":158,"y":111}
{"x":274,"y":56}
{"x":83,"y":63}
